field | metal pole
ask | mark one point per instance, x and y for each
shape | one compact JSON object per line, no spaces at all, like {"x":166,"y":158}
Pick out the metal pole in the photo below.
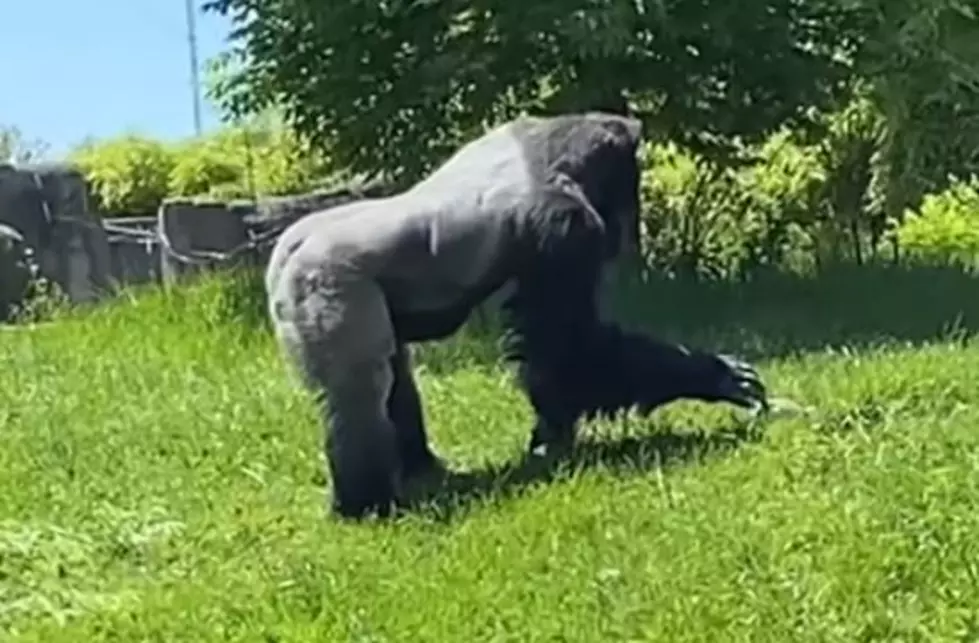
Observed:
{"x":194,"y":71}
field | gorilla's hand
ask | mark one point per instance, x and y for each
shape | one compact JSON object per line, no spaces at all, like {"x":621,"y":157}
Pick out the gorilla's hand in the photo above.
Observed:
{"x":737,"y":382}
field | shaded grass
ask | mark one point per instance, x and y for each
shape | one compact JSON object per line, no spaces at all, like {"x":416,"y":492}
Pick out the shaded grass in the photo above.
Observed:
{"x":779,"y":314}
{"x":161,"y":480}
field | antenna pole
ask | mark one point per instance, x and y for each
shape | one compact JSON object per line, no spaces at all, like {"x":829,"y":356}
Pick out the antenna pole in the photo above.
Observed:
{"x":194,"y":66}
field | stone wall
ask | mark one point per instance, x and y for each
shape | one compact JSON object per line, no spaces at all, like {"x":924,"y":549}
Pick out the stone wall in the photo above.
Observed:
{"x":14,"y":270}
{"x":134,"y":250}
{"x":48,"y":207}
{"x":90,"y":257}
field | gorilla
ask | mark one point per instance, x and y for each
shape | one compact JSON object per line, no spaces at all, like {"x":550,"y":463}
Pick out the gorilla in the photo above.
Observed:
{"x":534,"y":208}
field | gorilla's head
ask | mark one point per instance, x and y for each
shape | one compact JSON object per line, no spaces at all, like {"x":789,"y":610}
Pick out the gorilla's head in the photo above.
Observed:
{"x":598,"y":151}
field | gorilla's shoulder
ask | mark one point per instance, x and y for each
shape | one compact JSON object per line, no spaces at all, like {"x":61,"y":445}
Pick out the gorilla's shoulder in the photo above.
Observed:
{"x":530,"y":148}
{"x":581,"y":128}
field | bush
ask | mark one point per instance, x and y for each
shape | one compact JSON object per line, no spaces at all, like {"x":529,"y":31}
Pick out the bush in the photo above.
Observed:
{"x":129,"y":174}
{"x":199,"y":166}
{"x":702,"y":218}
{"x":853,"y":200}
{"x":783,"y":188}
{"x":270,"y":159}
{"x":132,"y":175}
{"x":945,"y":228}
{"x":693,"y":217}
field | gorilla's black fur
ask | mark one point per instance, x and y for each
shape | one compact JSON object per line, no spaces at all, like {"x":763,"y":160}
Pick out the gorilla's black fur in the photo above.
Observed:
{"x":572,"y":364}
{"x":536,"y":203}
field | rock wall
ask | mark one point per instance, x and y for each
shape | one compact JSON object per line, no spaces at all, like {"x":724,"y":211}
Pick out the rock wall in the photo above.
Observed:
{"x":48,"y":207}
{"x":14,"y":271}
{"x":46,"y":210}
{"x":134,"y":250}
{"x":195,"y":238}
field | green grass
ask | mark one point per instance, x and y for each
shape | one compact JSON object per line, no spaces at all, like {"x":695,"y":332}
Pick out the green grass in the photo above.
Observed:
{"x":160,"y":480}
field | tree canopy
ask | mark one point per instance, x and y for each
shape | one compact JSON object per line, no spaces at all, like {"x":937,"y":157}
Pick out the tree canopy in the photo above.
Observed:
{"x":393,"y":85}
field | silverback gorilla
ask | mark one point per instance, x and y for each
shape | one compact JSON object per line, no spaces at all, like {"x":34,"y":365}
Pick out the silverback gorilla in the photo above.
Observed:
{"x":536,"y":204}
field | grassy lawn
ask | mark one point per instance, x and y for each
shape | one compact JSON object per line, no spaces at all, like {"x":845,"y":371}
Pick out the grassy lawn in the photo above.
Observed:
{"x":160,"y":480}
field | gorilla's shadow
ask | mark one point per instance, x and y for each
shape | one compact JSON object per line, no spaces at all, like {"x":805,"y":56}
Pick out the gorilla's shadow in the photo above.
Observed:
{"x":775,"y":315}
{"x":445,"y":494}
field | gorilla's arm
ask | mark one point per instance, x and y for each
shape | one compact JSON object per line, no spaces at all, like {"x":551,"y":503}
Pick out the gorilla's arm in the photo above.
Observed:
{"x":572,"y":364}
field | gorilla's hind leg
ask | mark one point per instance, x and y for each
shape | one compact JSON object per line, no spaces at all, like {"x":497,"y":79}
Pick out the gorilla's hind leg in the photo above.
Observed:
{"x":336,"y":328}
{"x":361,"y":444}
{"x":405,"y":411}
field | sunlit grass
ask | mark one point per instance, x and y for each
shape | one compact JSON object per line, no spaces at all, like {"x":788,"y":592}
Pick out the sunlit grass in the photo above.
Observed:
{"x":161,"y":479}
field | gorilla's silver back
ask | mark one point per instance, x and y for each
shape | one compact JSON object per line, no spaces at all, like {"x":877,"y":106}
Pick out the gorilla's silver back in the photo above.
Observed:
{"x":447,"y":232}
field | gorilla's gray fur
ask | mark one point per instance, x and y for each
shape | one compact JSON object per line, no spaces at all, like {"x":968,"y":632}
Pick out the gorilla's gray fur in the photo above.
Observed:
{"x":537,"y":202}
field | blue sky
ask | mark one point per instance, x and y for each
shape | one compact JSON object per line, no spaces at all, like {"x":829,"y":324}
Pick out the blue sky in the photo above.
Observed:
{"x":78,"y":68}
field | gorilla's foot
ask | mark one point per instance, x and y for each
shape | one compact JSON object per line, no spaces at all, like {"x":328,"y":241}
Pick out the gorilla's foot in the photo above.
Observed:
{"x":370,"y":491}
{"x":364,"y":505}
{"x":547,"y":441}
{"x":421,"y":462}
{"x":425,"y":480}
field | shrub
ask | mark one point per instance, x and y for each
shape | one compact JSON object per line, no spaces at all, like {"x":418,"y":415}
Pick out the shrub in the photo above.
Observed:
{"x":199,"y":166}
{"x":692,"y":214}
{"x":945,"y":228}
{"x":43,"y":301}
{"x":853,"y":199}
{"x":701,"y":218}
{"x":129,"y":174}
{"x":782,"y":188}
{"x":271,"y":159}
{"x":133,"y":175}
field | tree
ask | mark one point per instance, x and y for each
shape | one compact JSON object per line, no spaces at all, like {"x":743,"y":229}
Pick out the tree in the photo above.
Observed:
{"x":16,"y":149}
{"x":393,"y":87}
{"x":923,"y":62}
